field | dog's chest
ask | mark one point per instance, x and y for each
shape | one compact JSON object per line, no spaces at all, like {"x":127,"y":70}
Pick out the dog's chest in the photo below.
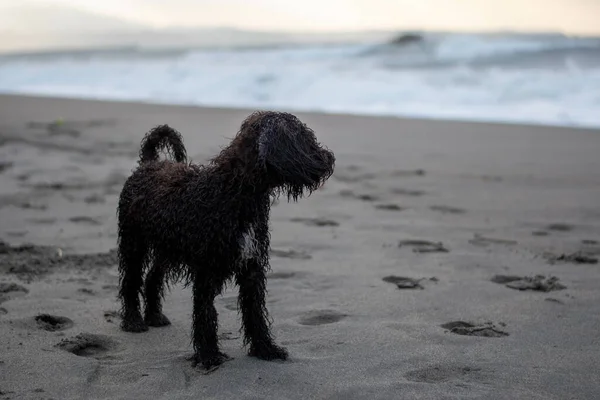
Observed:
{"x":249,"y":245}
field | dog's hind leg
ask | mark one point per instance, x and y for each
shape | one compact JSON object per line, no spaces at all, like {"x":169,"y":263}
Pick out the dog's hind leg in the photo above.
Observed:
{"x":154,"y":292}
{"x":132,"y":258}
{"x":251,"y":300}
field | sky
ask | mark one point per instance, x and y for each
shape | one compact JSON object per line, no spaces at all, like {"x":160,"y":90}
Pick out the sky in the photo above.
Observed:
{"x":567,"y":16}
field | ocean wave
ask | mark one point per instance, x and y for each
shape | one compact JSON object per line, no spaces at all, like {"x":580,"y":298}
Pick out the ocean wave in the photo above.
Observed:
{"x":423,"y":50}
{"x":549,"y":79}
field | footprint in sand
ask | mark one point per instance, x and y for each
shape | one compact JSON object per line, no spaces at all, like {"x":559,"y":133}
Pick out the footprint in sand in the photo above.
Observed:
{"x":231,"y":303}
{"x":353,"y":177}
{"x":29,"y":205}
{"x":111,"y":316}
{"x":363,"y":197}
{"x":442,"y":373}
{"x":483,"y":241}
{"x":320,"y":222}
{"x":9,"y":287}
{"x":408,"y":192}
{"x":407,"y":283}
{"x":282,"y":275}
{"x":228,"y":336}
{"x":487,"y":329}
{"x":4,"y":166}
{"x":448,"y":209}
{"x":423,"y":246}
{"x":560,"y":227}
{"x":578,"y":257}
{"x":88,"y":345}
{"x":414,"y":172}
{"x":537,"y":283}
{"x":53,"y":323}
{"x":540,"y":233}
{"x":94,"y":199}
{"x":321,"y":317}
{"x":293,"y":254}
{"x":390,"y":207}
{"x":82,"y":219}
{"x":43,"y":221}
{"x":110,"y":288}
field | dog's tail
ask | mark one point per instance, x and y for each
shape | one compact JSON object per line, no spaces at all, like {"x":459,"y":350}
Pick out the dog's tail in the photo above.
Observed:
{"x":162,"y":137}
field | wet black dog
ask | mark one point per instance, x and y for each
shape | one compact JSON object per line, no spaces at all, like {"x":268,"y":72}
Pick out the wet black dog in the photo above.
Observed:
{"x":206,"y":224}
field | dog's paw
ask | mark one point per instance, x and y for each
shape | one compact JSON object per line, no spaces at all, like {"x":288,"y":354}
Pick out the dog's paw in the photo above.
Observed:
{"x":269,"y":352}
{"x":134,"y":325}
{"x":209,"y":363}
{"x":157,"y":319}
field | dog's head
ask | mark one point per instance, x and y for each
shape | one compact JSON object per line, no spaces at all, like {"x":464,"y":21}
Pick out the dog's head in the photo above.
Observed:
{"x":286,"y":152}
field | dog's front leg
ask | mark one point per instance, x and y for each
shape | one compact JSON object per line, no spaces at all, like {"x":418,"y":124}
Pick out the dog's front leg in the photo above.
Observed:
{"x":252,"y":292}
{"x":205,"y":325}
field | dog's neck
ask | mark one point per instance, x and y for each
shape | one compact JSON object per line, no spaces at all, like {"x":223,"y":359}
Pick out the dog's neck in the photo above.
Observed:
{"x":242,"y":181}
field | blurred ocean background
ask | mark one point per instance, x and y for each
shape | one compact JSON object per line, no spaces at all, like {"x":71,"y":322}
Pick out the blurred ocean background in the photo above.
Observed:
{"x":500,"y":77}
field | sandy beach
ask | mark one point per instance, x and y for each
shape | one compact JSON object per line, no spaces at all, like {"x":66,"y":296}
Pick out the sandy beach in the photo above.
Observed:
{"x":443,"y":260}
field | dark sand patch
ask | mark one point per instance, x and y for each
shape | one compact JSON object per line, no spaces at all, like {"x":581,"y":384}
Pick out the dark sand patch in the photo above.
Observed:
{"x":53,"y":323}
{"x":560,"y":227}
{"x":553,"y":300}
{"x":320,"y":222}
{"x":447,"y":209}
{"x":390,"y":207}
{"x":293,"y":254}
{"x":87,"y":291}
{"x":321,"y":317}
{"x":423,"y":246}
{"x":3,"y":311}
{"x":408,"y":192}
{"x":29,"y":262}
{"x":443,"y":373}
{"x":483,"y":241}
{"x":88,"y":345}
{"x":537,"y":283}
{"x":487,"y":329}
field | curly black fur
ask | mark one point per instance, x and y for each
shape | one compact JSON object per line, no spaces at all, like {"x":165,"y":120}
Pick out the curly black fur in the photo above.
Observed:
{"x":206,"y":224}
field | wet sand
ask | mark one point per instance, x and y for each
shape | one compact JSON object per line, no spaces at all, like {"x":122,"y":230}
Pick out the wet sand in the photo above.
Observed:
{"x":442,"y":260}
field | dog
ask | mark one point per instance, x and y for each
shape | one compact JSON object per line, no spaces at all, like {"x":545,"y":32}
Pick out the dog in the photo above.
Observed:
{"x":208,"y":224}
